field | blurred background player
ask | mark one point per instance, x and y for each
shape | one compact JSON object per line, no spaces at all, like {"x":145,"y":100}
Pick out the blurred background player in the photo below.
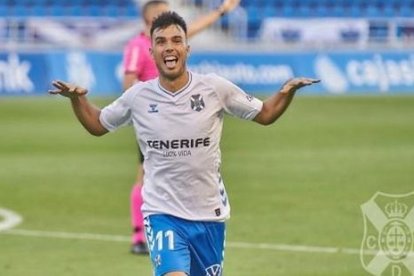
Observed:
{"x":139,"y":66}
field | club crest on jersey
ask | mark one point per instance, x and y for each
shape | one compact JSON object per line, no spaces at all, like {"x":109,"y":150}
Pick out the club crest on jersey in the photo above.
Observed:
{"x":214,"y":270}
{"x":387,"y":246}
{"x":197,"y":102}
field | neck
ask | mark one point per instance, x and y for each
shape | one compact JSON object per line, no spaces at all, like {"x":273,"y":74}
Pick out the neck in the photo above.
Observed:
{"x":176,"y":84}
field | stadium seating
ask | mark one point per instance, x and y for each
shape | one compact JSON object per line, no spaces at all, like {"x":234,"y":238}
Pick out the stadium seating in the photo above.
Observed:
{"x":68,"y":8}
{"x":257,"y":10}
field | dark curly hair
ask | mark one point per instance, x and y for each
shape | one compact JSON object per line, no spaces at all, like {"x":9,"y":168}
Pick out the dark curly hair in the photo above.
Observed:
{"x":167,"y":19}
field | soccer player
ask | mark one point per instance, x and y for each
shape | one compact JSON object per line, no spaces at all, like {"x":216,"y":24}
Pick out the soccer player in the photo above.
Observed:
{"x":178,"y":119}
{"x":139,"y":66}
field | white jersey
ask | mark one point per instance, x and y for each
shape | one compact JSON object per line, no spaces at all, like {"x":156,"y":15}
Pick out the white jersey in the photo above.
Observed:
{"x":179,"y":135}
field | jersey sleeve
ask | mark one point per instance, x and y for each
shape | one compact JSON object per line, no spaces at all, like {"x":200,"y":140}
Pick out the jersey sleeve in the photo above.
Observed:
{"x":118,"y":113}
{"x":235,"y":101}
{"x":131,"y":57}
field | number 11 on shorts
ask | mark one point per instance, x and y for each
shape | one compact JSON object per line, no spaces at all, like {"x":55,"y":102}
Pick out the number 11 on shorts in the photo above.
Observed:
{"x":162,"y":238}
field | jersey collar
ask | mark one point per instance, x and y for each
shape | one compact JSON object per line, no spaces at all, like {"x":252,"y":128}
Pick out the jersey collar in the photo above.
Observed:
{"x":190,"y":78}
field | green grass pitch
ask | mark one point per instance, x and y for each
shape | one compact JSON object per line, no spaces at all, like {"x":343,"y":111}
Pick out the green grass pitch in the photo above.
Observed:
{"x":298,"y":182}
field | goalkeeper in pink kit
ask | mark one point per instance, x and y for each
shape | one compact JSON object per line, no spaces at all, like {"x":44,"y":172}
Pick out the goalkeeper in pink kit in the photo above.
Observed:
{"x":140,"y":66}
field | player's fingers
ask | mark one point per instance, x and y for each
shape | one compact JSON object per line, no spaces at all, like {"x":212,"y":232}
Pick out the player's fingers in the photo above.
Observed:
{"x":64,"y":85}
{"x":314,"y":80}
{"x":60,"y":85}
{"x":54,"y":92}
{"x":56,"y":84}
{"x":307,"y":81}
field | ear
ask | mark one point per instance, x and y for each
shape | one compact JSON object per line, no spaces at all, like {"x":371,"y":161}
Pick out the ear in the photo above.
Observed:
{"x":188,"y":50}
{"x":151,"y":52}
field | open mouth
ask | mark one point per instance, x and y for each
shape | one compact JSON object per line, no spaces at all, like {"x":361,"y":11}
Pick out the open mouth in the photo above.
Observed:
{"x":170,"y":61}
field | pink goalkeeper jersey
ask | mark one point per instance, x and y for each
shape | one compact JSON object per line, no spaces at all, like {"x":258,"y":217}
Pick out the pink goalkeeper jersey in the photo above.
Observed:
{"x":138,"y":60}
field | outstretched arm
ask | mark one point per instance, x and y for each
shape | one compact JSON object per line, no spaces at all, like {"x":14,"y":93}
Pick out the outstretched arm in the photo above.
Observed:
{"x":276,"y":105}
{"x":208,"y":19}
{"x":87,"y":114}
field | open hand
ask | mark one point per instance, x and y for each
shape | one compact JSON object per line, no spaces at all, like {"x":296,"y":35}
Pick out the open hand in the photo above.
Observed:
{"x":67,"y":90}
{"x":229,"y":5}
{"x":294,"y":84}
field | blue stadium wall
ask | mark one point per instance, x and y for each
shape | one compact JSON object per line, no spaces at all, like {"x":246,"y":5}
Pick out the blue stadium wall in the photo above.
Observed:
{"x":366,"y":72}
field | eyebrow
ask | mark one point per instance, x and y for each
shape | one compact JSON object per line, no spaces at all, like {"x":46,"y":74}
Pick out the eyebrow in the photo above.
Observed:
{"x":177,"y":36}
{"x":172,"y":37}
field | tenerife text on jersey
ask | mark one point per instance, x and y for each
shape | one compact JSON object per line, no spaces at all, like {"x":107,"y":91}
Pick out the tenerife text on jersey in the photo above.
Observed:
{"x":179,"y":143}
